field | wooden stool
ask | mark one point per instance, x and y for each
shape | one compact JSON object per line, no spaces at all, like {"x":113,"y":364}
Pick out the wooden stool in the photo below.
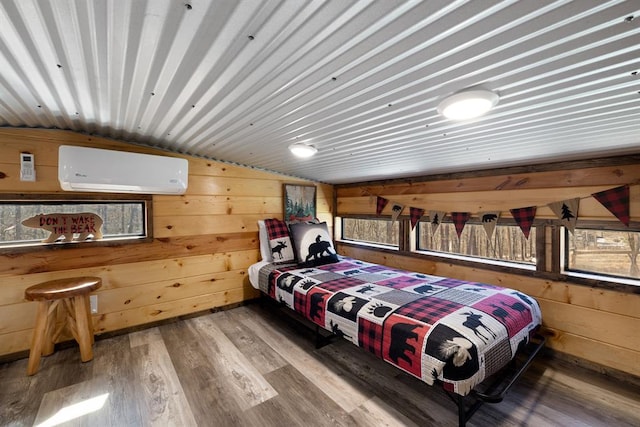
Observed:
{"x":73,"y":293}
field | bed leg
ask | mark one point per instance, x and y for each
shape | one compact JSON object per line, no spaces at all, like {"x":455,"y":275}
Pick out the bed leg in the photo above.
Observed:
{"x":321,"y":341}
{"x":462,"y":413}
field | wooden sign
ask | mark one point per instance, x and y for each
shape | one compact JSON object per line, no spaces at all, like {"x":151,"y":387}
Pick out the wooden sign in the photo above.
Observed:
{"x":83,"y":224}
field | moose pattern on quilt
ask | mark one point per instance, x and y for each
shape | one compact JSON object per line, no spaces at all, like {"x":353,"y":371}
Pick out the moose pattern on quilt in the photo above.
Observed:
{"x":434,"y":328}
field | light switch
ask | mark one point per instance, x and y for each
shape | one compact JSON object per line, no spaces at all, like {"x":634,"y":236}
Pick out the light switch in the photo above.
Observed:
{"x":27,"y":167}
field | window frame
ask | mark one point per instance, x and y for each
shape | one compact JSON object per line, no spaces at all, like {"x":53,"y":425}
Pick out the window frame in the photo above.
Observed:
{"x":549,"y":265}
{"x":478,"y":259}
{"x":33,"y":198}
{"x":577,"y":274}
{"x":339,"y":231}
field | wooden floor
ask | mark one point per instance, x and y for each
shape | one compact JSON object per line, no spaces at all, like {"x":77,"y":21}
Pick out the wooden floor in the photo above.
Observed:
{"x":252,"y":366}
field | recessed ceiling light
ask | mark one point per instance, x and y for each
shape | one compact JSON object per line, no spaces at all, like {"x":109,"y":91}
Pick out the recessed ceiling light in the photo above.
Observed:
{"x":300,"y":149}
{"x":468,"y":104}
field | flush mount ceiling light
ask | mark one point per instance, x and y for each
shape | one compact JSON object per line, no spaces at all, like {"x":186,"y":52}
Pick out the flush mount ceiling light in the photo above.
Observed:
{"x":468,"y":104}
{"x":300,"y":149}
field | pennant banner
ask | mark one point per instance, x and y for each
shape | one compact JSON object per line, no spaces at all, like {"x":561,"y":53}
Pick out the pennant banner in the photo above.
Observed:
{"x":616,"y":200}
{"x":396,"y":210}
{"x":415,"y":215}
{"x":524,"y":218}
{"x":567,"y":211}
{"x":381,"y":202}
{"x":459,"y":220}
{"x":489,"y":222}
{"x":435,"y":218}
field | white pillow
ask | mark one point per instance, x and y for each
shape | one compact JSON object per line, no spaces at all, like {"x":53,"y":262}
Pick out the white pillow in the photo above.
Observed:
{"x":265,"y":249}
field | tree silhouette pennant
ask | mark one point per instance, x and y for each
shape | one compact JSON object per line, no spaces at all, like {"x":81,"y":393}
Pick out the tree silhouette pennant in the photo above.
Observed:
{"x":459,"y":220}
{"x":435,"y":218}
{"x":616,"y":200}
{"x":524,"y":218}
{"x":567,"y":212}
{"x":489,"y":222}
{"x":381,"y":203}
{"x":415,"y":215}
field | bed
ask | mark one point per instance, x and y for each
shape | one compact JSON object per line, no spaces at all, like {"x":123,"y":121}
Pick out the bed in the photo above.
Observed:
{"x":441,"y":330}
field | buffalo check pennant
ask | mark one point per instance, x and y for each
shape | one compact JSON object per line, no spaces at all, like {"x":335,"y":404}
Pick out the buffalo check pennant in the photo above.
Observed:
{"x":459,"y":220}
{"x":524,"y":218}
{"x":381,"y":202}
{"x":616,"y":200}
{"x":415,"y":214}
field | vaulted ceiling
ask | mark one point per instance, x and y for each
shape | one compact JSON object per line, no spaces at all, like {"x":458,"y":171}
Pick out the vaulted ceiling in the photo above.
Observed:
{"x":240,"y":81}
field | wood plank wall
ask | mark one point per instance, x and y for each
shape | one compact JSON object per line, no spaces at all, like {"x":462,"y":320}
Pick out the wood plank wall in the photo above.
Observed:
{"x":203,"y":241}
{"x":594,"y":324}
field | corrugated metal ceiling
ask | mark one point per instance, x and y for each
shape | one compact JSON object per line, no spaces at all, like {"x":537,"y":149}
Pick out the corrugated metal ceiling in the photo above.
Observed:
{"x":241,"y":80}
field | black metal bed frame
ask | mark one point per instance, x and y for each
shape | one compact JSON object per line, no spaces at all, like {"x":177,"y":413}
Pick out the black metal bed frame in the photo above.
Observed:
{"x":497,"y":389}
{"x":467,"y":405}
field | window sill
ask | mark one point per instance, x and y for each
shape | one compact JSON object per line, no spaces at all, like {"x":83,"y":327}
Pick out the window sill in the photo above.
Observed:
{"x":41,"y":246}
{"x":602,"y":279}
{"x":477,"y":260}
{"x":368,"y":244}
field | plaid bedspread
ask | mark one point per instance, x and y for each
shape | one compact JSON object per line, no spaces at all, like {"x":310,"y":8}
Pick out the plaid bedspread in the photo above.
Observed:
{"x":432,"y":327}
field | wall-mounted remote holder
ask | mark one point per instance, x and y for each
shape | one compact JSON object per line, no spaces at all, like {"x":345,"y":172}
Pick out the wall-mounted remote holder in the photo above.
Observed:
{"x":27,"y":167}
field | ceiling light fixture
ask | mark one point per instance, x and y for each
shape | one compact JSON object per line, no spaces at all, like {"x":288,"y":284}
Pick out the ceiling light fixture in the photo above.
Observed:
{"x":468,"y":104}
{"x":300,"y":149}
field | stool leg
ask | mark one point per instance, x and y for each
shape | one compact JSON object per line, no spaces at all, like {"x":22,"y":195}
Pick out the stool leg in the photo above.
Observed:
{"x":38,"y":337}
{"x":83,"y":327}
{"x":49,"y":338}
{"x":87,"y":303}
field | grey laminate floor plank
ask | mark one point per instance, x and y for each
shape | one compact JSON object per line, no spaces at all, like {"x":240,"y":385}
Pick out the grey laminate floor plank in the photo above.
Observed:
{"x":244,"y":383}
{"x":163,"y":401}
{"x":291,"y":408}
{"x":261,"y":356}
{"x":113,"y":360}
{"x":301,"y":357}
{"x":203,"y":385}
{"x":253,"y":367}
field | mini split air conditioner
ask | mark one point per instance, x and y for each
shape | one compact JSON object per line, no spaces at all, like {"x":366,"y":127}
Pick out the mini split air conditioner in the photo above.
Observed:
{"x":108,"y":171}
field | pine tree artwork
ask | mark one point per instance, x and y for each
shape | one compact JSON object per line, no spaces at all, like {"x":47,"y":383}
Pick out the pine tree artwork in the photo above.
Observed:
{"x":299,"y":202}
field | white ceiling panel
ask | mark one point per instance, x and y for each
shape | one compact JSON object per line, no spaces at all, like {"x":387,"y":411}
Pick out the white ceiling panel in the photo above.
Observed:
{"x":239,"y":81}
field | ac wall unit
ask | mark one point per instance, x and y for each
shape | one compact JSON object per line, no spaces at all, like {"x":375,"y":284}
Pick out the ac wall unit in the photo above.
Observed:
{"x":108,"y":171}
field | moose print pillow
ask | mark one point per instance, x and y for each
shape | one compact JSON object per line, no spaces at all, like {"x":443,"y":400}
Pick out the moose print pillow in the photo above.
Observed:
{"x":313,"y":245}
{"x":279,"y":241}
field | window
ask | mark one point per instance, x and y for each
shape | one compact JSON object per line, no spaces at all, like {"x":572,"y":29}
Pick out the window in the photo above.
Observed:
{"x":376,"y":231}
{"x":507,"y":244}
{"x":607,"y":252}
{"x":121,"y":219}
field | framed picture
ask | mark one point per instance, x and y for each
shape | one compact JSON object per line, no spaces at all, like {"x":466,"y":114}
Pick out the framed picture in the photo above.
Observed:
{"x":299,"y":202}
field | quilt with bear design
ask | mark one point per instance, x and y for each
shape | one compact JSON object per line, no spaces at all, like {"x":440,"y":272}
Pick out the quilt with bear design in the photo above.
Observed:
{"x":434,"y":328}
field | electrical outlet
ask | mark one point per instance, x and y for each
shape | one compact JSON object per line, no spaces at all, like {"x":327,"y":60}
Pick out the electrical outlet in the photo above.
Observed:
{"x":93,"y":300}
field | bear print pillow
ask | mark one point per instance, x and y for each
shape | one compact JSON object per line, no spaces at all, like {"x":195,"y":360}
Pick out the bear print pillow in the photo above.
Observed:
{"x":313,"y":244}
